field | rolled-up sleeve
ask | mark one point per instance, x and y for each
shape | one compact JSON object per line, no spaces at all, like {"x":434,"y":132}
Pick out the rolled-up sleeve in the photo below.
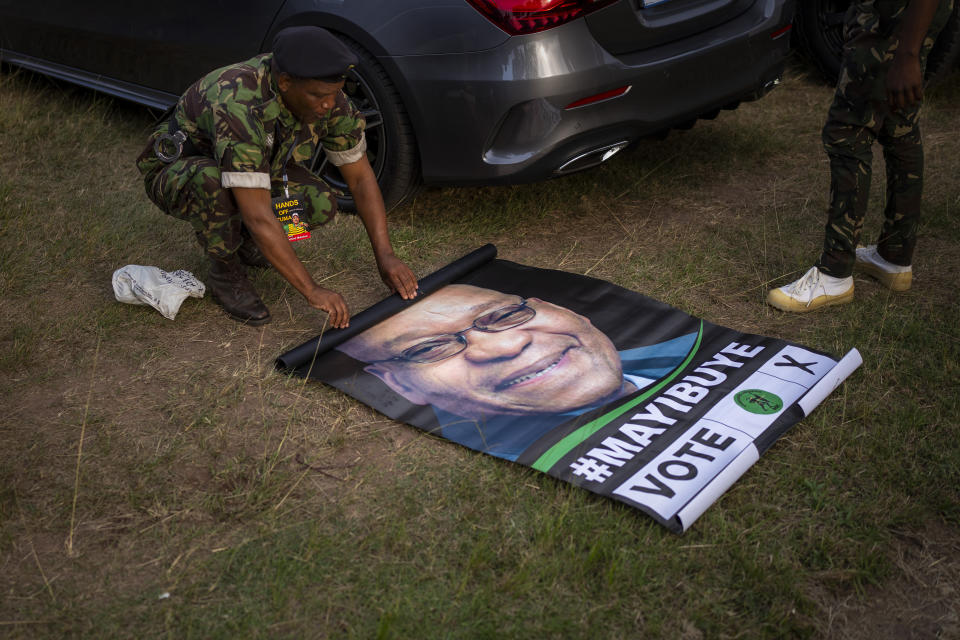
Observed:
{"x":339,"y":158}
{"x":243,"y":179}
{"x":345,"y":141}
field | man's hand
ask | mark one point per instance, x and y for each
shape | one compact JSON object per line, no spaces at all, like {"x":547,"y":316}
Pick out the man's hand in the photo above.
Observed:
{"x":331,"y":302}
{"x":905,"y":78}
{"x":397,"y":276}
{"x":904,"y":81}
{"x":366,"y":193}
{"x":258,"y":216}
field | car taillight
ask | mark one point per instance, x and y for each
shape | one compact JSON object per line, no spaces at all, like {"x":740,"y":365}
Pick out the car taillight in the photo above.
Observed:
{"x":518,"y":17}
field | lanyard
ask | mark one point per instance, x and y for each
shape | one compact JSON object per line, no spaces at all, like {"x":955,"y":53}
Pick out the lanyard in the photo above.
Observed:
{"x":286,"y":189}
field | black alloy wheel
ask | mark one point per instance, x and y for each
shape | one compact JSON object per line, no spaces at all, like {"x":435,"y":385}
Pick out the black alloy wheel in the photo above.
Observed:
{"x":818,"y":29}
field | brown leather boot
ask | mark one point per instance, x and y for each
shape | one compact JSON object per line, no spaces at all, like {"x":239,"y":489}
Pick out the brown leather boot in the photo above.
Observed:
{"x":250,"y":254}
{"x":230,"y":289}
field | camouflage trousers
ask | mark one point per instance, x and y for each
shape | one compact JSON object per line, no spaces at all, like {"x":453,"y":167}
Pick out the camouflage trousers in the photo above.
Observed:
{"x":859,"y":116}
{"x":190,"y":189}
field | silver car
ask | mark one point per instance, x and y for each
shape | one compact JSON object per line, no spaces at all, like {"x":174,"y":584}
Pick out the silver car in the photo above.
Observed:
{"x":455,"y":91}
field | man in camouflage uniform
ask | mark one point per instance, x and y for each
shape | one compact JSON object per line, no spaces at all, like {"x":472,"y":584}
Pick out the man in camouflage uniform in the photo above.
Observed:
{"x":236,"y":137}
{"x":878,"y":97}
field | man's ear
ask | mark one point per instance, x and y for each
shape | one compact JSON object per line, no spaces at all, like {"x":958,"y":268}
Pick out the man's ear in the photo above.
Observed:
{"x":283,"y":82}
{"x":396,"y":383}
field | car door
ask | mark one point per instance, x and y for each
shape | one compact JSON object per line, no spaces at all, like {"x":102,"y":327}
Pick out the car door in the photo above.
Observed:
{"x":165,"y":45}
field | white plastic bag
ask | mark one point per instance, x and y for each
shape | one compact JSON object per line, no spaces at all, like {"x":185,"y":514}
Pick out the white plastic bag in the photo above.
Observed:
{"x":163,"y":291}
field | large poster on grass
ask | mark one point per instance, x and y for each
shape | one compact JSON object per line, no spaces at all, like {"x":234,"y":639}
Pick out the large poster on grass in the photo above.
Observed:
{"x":578,"y":378}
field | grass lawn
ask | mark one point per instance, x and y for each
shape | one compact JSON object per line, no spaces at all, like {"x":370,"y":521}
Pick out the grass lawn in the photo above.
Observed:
{"x":159,"y":478}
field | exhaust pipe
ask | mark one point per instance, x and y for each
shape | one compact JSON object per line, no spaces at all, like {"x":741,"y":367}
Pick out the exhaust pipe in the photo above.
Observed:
{"x":591,"y":158}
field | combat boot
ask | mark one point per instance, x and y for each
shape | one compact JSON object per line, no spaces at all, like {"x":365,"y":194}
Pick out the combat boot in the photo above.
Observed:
{"x":250,"y":254}
{"x":230,"y":289}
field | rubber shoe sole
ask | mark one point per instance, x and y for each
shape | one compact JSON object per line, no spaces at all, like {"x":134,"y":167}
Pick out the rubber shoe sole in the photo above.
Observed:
{"x":892,"y":281}
{"x":780,"y":300}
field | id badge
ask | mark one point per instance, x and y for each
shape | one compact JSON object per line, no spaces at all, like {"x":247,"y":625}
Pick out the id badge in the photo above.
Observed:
{"x":289,"y":210}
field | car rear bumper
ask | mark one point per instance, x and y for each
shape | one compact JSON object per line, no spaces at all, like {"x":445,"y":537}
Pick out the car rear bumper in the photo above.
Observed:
{"x":506,"y":107}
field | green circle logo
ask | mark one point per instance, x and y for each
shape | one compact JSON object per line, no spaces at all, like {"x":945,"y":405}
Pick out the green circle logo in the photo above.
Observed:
{"x":758,"y":401}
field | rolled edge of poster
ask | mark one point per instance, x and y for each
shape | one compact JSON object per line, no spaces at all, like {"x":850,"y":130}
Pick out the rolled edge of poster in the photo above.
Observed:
{"x":847,"y":365}
{"x":716,"y":488}
{"x":307,"y":352}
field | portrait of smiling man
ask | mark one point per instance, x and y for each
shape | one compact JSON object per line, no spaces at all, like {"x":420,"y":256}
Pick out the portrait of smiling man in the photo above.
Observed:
{"x":500,"y":370}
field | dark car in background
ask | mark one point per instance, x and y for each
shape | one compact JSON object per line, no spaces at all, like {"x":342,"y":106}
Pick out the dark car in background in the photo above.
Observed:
{"x":455,"y":91}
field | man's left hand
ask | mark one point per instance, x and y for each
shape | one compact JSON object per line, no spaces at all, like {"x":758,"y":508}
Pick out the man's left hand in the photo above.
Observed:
{"x":366,"y":193}
{"x":397,"y":276}
{"x":905,"y":77}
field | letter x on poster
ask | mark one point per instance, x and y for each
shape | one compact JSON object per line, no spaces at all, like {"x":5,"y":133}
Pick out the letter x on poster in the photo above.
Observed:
{"x":578,"y":378}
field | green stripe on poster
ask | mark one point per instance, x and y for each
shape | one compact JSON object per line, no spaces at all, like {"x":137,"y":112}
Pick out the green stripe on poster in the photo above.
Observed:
{"x":545,"y":462}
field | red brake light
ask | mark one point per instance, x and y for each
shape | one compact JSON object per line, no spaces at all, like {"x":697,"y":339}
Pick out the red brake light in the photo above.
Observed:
{"x":600,"y":97}
{"x":781,"y":32}
{"x":518,"y":17}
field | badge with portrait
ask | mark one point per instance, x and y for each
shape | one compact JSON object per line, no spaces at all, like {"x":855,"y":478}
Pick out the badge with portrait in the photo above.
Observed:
{"x":290,"y":213}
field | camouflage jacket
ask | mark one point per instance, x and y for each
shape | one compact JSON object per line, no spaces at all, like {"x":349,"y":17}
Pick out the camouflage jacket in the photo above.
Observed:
{"x":235,"y":116}
{"x":881,"y":17}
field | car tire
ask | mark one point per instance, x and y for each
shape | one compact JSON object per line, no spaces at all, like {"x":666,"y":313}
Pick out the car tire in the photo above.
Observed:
{"x":391,"y":145}
{"x":818,"y":34}
{"x":818,"y":28}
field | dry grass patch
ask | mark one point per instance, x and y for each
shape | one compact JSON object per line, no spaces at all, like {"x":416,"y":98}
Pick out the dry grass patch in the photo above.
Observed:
{"x":263,"y":504}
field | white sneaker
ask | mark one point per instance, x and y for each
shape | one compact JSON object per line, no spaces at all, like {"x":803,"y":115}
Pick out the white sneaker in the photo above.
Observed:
{"x":892,"y":276}
{"x":814,"y":290}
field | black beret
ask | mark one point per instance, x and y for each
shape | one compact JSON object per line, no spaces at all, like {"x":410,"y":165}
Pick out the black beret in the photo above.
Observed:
{"x":311,"y":52}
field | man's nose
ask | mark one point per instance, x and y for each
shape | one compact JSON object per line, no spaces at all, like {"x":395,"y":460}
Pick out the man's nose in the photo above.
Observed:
{"x":484,"y":346}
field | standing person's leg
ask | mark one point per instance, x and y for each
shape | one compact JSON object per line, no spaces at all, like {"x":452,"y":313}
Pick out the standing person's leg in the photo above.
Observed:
{"x":903,"y":155}
{"x":849,"y":146}
{"x":848,"y":137}
{"x":891,"y":258}
{"x":855,"y":118}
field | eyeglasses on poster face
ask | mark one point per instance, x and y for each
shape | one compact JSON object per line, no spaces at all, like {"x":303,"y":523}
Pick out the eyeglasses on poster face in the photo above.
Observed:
{"x":447,"y":345}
